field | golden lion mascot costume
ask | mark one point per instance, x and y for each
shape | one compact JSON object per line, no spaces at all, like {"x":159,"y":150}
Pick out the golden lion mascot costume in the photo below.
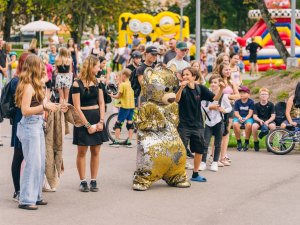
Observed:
{"x":161,"y":153}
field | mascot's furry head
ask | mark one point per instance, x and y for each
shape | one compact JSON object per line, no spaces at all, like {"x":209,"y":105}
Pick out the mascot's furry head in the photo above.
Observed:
{"x":160,"y":84}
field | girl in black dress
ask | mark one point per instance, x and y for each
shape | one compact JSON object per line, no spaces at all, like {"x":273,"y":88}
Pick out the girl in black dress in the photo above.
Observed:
{"x":88,"y":99}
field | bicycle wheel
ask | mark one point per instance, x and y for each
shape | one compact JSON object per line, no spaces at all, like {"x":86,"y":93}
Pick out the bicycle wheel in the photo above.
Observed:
{"x":110,"y":123}
{"x":280,"y":142}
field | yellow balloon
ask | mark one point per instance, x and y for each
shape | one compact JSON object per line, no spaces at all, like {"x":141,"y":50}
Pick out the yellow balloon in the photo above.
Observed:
{"x":142,"y":24}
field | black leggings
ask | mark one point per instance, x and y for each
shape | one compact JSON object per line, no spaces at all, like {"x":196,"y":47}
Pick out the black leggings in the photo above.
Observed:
{"x":16,"y":167}
{"x":216,"y":131}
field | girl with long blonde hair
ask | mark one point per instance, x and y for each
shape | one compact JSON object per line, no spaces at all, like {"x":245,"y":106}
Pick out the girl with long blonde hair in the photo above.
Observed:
{"x":64,"y":77}
{"x":87,"y":97}
{"x":30,"y":97}
{"x":233,"y":94}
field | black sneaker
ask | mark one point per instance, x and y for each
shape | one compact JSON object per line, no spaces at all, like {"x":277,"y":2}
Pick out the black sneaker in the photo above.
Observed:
{"x":246,"y":147}
{"x":127,"y":143}
{"x":239,"y":146}
{"x":84,"y":187}
{"x":115,"y":144}
{"x":16,"y":196}
{"x":256,"y":146}
{"x":189,"y":154}
{"x":93,"y":186}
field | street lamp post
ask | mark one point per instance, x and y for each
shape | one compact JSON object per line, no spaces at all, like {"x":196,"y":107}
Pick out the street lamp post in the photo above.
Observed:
{"x":198,"y":12}
{"x":181,"y":20}
{"x":182,"y":4}
{"x":292,"y":61}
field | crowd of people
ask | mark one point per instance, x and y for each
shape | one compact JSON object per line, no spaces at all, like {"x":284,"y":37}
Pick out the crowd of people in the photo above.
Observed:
{"x":211,"y":98}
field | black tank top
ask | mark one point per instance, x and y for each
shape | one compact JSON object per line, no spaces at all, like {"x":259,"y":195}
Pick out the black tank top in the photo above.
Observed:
{"x":63,"y":68}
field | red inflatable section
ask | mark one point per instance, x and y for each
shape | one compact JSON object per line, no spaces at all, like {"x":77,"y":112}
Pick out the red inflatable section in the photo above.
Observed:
{"x":278,"y":4}
{"x":266,"y":67}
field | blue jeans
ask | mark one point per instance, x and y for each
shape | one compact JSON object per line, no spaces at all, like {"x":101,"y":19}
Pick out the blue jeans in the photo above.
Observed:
{"x":31,"y":134}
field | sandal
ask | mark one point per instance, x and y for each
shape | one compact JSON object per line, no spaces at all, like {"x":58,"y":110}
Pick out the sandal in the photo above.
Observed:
{"x":28,"y":207}
{"x":41,"y":202}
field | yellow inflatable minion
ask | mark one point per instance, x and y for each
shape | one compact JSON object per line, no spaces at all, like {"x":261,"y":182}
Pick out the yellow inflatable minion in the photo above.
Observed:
{"x":142,"y":24}
{"x":168,"y":26}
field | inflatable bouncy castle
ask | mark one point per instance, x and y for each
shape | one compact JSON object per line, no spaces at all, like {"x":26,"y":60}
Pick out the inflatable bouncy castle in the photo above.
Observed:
{"x":165,"y":25}
{"x":268,"y":57}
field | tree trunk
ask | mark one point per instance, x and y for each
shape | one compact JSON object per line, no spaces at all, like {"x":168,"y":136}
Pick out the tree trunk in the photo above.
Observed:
{"x":8,"y":19}
{"x":272,"y":30}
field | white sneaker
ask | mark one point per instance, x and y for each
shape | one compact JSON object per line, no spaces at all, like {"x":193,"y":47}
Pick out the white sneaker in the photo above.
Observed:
{"x":220,"y":164}
{"x":214,"y":166}
{"x":189,"y":166}
{"x":202,"y":166}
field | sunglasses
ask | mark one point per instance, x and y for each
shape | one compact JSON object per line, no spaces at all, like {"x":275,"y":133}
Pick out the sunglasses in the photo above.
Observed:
{"x":184,"y":50}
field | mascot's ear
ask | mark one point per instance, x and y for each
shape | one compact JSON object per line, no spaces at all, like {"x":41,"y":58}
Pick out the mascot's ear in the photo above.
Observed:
{"x":173,"y":68}
{"x":147,"y":74}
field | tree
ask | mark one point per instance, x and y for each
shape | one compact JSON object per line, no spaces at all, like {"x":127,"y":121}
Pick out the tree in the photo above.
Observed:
{"x":272,"y":30}
{"x":8,"y":19}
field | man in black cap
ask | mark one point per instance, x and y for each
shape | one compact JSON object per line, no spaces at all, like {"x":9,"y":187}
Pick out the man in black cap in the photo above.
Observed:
{"x":150,"y":59}
{"x":136,"y":62}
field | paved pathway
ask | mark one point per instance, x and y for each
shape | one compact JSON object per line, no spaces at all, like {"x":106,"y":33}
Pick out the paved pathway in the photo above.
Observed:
{"x":258,"y":189}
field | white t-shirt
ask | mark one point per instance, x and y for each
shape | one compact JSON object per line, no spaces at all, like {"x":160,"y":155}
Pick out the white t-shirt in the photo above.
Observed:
{"x":180,"y":64}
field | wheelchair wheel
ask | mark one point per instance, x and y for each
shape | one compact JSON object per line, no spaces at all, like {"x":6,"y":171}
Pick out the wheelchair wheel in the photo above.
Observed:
{"x":110,"y":123}
{"x":280,"y":142}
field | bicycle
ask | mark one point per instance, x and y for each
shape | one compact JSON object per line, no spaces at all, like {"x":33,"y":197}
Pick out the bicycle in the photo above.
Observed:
{"x":111,"y":120}
{"x":282,"y":141}
{"x":110,"y":127}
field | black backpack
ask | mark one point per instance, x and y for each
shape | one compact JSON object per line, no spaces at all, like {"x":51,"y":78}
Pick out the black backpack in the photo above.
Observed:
{"x":135,"y":85}
{"x":7,"y":103}
{"x":280,"y":108}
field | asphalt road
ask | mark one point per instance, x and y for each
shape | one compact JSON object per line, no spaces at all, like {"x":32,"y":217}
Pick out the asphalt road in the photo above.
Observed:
{"x":258,"y":189}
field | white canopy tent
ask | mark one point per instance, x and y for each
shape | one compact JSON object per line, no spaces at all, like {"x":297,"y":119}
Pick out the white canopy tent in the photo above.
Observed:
{"x":39,"y":26}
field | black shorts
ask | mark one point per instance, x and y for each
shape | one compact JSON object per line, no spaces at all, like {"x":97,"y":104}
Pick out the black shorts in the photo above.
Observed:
{"x":260,"y":125}
{"x":49,"y":84}
{"x":253,"y":59}
{"x":194,"y":137}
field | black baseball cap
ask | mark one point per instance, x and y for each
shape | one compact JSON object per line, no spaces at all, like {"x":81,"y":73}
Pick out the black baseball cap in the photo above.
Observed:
{"x":136,"y":54}
{"x":152,"y":50}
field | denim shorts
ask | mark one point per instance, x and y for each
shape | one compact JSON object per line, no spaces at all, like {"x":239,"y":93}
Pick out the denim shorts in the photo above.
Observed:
{"x":125,"y":114}
{"x":236,"y":120}
{"x":297,"y":120}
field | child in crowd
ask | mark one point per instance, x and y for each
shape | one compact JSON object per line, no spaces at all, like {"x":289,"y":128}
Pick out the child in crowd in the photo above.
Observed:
{"x":126,"y":111}
{"x":214,"y":122}
{"x":196,"y":65}
{"x":49,"y":68}
{"x":14,"y":62}
{"x":190,"y":128}
{"x":264,"y":116}
{"x":235,"y":70}
{"x":243,"y":111}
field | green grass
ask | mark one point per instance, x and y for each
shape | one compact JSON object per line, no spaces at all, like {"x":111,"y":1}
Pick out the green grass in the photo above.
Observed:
{"x":271,"y":73}
{"x":232,"y":141}
{"x":18,"y":51}
{"x":248,"y":82}
{"x":296,"y":75}
{"x":282,"y":95}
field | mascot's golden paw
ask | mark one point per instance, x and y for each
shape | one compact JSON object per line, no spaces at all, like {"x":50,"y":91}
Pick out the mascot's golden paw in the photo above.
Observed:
{"x":139,"y":187}
{"x":185,"y":184}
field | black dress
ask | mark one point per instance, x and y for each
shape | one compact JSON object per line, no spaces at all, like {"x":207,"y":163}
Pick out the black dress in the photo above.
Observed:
{"x":88,"y":97}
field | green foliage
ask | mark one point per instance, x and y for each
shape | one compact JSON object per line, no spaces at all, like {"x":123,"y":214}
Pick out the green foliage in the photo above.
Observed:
{"x":283,"y":95}
{"x":255,"y":90}
{"x":284,"y":73}
{"x":270,"y":73}
{"x":296,"y":75}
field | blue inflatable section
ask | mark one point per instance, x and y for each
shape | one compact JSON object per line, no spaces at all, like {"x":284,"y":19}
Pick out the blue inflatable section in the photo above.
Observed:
{"x":267,"y":57}
{"x":264,"y":34}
